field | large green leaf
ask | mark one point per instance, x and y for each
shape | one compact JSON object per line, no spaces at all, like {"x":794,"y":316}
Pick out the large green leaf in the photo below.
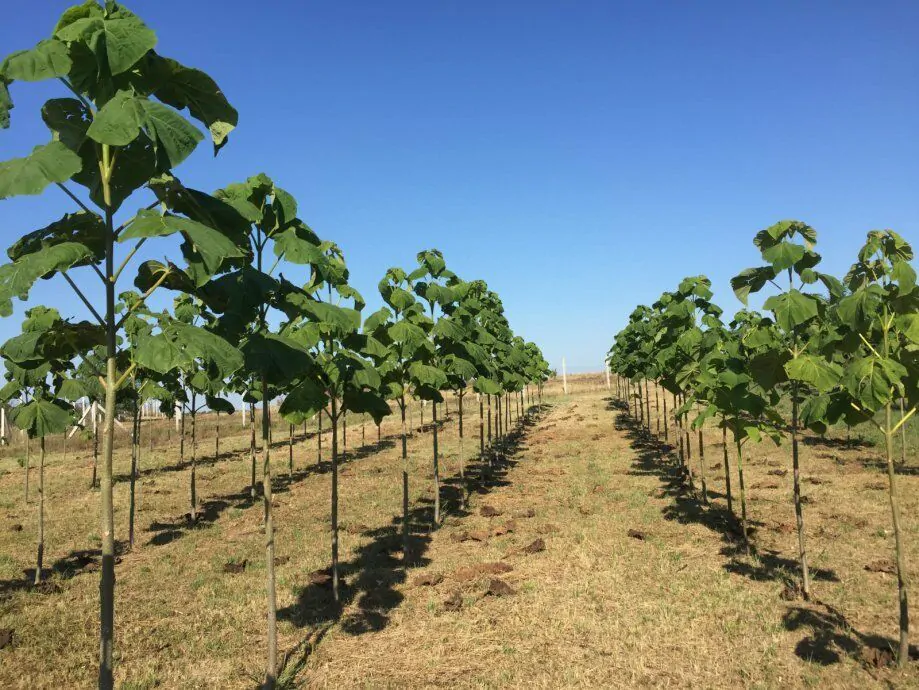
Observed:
{"x":751,"y":280}
{"x":84,"y":228}
{"x":407,"y":333}
{"x":783,"y":255}
{"x":119,"y":122}
{"x":47,"y":164}
{"x":40,"y":418}
{"x":861,"y":307}
{"x":332,"y":317}
{"x":908,"y":325}
{"x":427,"y":375}
{"x":298,"y":244}
{"x":17,"y":278}
{"x":48,"y":60}
{"x":792,"y":309}
{"x":303,"y":402}
{"x":367,"y":402}
{"x":6,"y":104}
{"x":815,"y":371}
{"x":282,"y":360}
{"x":872,"y":381}
{"x":186,"y":87}
{"x":211,"y":245}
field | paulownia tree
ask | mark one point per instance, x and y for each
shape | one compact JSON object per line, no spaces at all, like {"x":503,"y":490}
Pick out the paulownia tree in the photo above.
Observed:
{"x":785,"y":362}
{"x":117,"y":126}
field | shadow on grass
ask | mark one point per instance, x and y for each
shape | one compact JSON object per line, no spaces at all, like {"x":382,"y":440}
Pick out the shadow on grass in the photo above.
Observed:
{"x":73,"y":564}
{"x":370,"y":578}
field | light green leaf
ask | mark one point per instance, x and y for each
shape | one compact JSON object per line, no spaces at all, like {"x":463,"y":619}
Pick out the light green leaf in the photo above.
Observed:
{"x":48,"y":60}
{"x":303,"y":402}
{"x":40,"y":418}
{"x":17,"y":278}
{"x":47,"y":164}
{"x":118,"y":122}
{"x":792,"y":309}
{"x":815,"y":371}
{"x":127,"y":40}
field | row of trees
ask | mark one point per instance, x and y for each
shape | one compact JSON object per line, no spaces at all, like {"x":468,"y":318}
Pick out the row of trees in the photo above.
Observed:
{"x":239,"y":328}
{"x":821,"y":352}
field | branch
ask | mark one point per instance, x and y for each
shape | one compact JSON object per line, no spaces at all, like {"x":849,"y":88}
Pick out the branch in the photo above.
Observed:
{"x":83,"y":297}
{"x":125,"y":375}
{"x":121,"y":227}
{"x":89,"y":106}
{"x":143,"y":297}
{"x":870,"y":346}
{"x":73,"y":196}
{"x":128,"y":258}
{"x":903,"y":420}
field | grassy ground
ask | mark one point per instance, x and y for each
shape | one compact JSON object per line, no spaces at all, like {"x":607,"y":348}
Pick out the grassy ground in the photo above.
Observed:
{"x":674,"y":604}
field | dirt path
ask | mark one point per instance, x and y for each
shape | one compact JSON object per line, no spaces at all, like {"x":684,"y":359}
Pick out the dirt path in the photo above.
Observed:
{"x":635,"y":587}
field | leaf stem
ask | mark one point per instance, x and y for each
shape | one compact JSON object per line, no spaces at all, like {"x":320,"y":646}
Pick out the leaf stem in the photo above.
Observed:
{"x":74,"y":197}
{"x":128,"y":258}
{"x":83,"y":297}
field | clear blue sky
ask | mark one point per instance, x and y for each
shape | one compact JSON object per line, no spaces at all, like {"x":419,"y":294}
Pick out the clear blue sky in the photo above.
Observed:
{"x":581,"y":157}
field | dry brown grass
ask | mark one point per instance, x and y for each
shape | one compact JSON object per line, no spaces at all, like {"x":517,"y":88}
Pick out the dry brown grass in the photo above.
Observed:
{"x":596,"y":608}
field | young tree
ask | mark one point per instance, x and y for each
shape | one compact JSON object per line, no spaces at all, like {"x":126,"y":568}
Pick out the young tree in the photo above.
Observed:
{"x":119,"y":127}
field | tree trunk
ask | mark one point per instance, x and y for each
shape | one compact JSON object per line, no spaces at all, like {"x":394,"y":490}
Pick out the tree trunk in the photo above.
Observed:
{"x":462,"y":457}
{"x":290,"y":452}
{"x":727,"y":466}
{"x":666,"y":420}
{"x":436,"y":468}
{"x":271,"y":669}
{"x":28,"y":464}
{"x":743,"y":498}
{"x":194,"y":463}
{"x":657,"y":408}
{"x":41,"y":509}
{"x":217,"y":440}
{"x":702,"y":469}
{"x":903,"y":654}
{"x":902,"y":434}
{"x":481,"y":431}
{"x":648,"y":406}
{"x":679,"y":431}
{"x":252,"y":449}
{"x":406,"y":558}
{"x":135,"y":452}
{"x":334,"y":515}
{"x":319,"y":440}
{"x":799,"y":511}
{"x":344,"y":433}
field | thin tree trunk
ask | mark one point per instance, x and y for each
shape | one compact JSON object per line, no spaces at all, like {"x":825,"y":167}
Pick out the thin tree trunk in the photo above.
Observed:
{"x":41,"y":509}
{"x":135,"y":452}
{"x":688,"y":440}
{"x":743,"y":498}
{"x":481,"y":431}
{"x":679,"y":430}
{"x":271,"y":669}
{"x":902,"y":434}
{"x":406,"y":558}
{"x":334,"y":516}
{"x":217,"y":440}
{"x":252,"y":449}
{"x":344,"y":433}
{"x":648,"y":406}
{"x":436,"y":467}
{"x":28,"y":464}
{"x":290,"y":452}
{"x":903,"y":653}
{"x":799,"y":511}
{"x":657,"y":408}
{"x":727,"y":466}
{"x":319,"y":440}
{"x":666,"y":420}
{"x":462,"y":457}
{"x":194,"y":463}
{"x":702,"y":469}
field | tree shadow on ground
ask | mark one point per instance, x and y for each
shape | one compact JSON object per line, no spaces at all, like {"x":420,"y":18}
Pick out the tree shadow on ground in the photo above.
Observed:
{"x":830,"y":636}
{"x":73,"y":564}
{"x":370,"y":578}
{"x":657,"y":459}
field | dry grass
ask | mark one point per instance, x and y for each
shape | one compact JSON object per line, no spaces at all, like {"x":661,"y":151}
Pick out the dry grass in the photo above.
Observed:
{"x":596,"y":608}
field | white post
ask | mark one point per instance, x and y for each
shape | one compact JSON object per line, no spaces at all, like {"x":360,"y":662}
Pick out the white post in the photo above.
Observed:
{"x":2,"y":425}
{"x":95,"y":414}
{"x":178,"y":415}
{"x":244,"y":413}
{"x":564,"y":377}
{"x":606,"y":368}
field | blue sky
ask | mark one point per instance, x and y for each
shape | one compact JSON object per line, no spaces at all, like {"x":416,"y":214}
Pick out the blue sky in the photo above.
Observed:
{"x":580,"y":157}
